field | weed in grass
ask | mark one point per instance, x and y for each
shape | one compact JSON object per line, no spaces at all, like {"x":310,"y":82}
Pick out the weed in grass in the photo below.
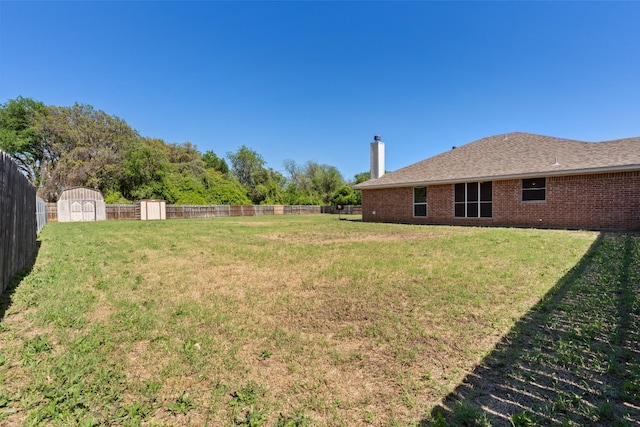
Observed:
{"x":568,"y":353}
{"x":230,"y":359}
{"x":631,"y":388}
{"x":522,"y":419}
{"x":265,"y":354}
{"x":245,"y":403}
{"x":605,"y":412}
{"x":7,"y":405}
{"x":137,"y":282}
{"x":280,"y":337}
{"x":437,"y":417}
{"x":469,"y":416}
{"x":182,"y":405}
{"x":567,"y":402}
{"x":297,"y":419}
{"x":408,"y":400}
{"x":191,"y":348}
{"x":250,"y":417}
{"x":356,"y":356}
{"x":406,"y":355}
{"x":5,"y":399}
{"x":34,"y":346}
{"x":134,"y":413}
{"x":150,"y":389}
{"x":95,"y":340}
{"x":100,"y":285}
{"x":369,"y":417}
{"x":334,"y":356}
{"x":66,"y":402}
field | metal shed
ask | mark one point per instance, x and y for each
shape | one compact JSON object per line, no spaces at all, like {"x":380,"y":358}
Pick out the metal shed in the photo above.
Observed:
{"x":81,"y":204}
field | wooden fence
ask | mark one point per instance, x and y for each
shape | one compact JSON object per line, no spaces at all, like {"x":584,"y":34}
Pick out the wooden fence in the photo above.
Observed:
{"x":17,"y":221}
{"x":121,"y":212}
{"x":346,"y":210}
{"x":216,"y":211}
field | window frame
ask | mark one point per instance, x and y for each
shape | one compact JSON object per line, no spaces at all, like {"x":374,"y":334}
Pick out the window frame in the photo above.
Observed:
{"x":421,"y":203}
{"x":475,"y":203}
{"x":532,"y":188}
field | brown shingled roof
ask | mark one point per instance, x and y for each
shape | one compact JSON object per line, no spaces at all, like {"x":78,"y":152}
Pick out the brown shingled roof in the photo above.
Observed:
{"x":515,"y":155}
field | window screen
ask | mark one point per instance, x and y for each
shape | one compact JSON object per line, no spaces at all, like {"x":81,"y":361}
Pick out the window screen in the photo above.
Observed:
{"x":473,"y":200}
{"x":534,"y":189}
{"x":420,"y":201}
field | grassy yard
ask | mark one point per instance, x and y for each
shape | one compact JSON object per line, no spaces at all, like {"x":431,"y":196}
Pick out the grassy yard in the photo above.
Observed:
{"x":309,"y":320}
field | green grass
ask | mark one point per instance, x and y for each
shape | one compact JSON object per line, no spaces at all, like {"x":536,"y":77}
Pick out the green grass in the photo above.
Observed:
{"x":574,"y":359}
{"x":275,"y":320}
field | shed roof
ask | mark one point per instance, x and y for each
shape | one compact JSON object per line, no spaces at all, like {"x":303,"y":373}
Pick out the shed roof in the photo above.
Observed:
{"x":515,"y":155}
{"x":81,"y":193}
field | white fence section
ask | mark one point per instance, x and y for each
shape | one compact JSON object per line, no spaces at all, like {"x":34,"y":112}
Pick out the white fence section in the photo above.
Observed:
{"x":41,"y":213}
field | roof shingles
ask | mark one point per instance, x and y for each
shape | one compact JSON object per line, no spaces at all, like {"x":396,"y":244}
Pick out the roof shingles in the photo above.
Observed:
{"x":514,"y":155}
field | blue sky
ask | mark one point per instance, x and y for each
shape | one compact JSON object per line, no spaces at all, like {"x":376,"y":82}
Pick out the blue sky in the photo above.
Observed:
{"x":317,"y":80}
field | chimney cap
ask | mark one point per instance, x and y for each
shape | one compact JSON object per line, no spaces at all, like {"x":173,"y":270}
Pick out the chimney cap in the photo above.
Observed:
{"x":377,"y":138}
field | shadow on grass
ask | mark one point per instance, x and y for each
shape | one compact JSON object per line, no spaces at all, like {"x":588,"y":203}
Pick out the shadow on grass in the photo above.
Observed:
{"x":6,"y":296}
{"x":573,"y":360}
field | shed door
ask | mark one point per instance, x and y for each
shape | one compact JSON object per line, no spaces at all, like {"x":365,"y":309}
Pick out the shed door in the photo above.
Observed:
{"x":83,"y":210}
{"x":76,"y":211}
{"x":88,"y":211}
{"x":153,"y":210}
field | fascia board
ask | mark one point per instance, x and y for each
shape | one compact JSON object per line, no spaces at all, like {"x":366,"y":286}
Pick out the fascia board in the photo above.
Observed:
{"x":589,"y":171}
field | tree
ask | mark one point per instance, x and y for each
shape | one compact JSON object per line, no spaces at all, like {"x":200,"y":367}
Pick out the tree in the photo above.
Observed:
{"x":214,"y":162}
{"x":312,"y":183}
{"x":58,"y":147}
{"x":182,"y":153}
{"x":20,"y":139}
{"x":145,"y":168}
{"x":326,"y":180}
{"x":247,"y":166}
{"x":222,"y":191}
{"x":155,"y":169}
{"x":84,"y":147}
{"x":362,"y":177}
{"x":271,"y":190}
{"x":345,"y":195}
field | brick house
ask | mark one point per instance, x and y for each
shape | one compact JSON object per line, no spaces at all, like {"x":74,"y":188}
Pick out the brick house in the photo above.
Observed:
{"x":516,"y":179}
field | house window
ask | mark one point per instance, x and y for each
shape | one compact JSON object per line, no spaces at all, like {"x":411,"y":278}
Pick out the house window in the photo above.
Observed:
{"x":420,"y":201}
{"x":534,"y":189}
{"x":473,"y":200}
